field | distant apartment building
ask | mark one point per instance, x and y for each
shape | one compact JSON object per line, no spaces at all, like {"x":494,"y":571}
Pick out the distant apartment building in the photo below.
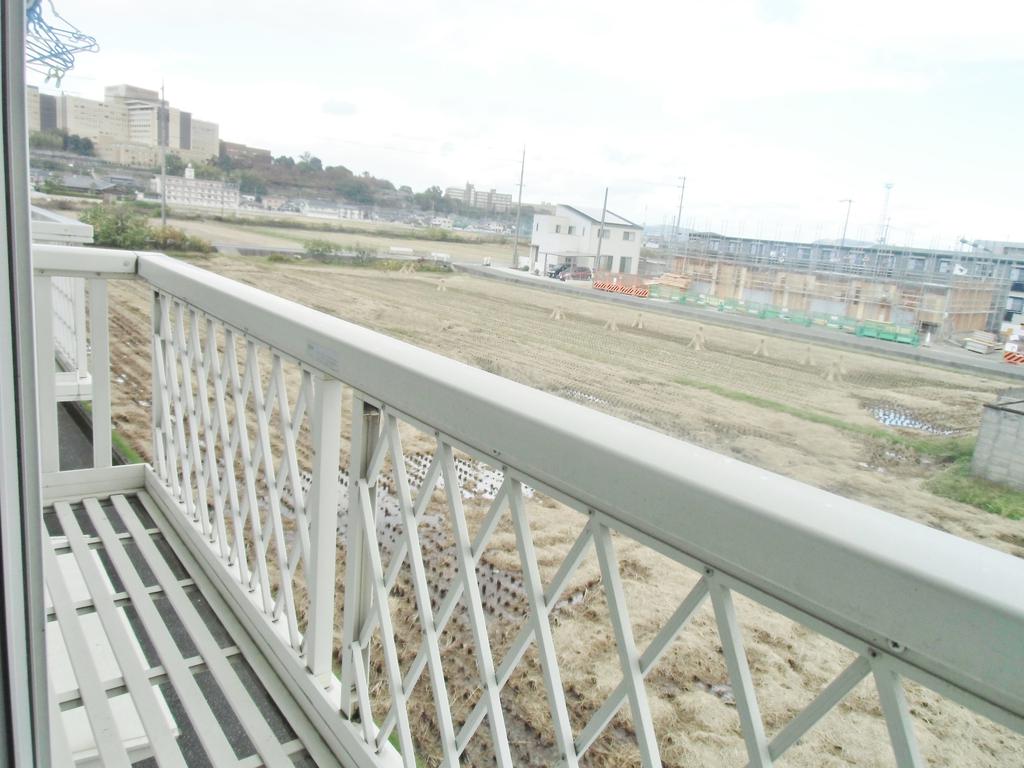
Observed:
{"x":329,"y":209}
{"x":930,"y":291}
{"x":128,"y":127}
{"x":498,"y":202}
{"x":571,"y":236}
{"x":189,"y":191}
{"x":242,"y":155}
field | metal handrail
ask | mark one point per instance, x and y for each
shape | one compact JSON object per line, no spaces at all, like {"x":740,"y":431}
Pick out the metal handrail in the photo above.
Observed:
{"x":927,"y":605}
{"x":889,"y":581}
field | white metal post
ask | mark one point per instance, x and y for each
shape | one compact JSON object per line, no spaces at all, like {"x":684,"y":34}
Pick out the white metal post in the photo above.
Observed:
{"x":46,"y":367}
{"x":156,"y":398}
{"x":322,"y":511}
{"x":78,"y":309}
{"x":358,"y":569}
{"x":898,"y":719}
{"x":99,"y":368}
{"x":739,"y":675}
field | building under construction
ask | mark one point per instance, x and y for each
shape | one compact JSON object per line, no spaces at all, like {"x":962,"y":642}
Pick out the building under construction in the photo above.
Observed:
{"x":929,"y":291}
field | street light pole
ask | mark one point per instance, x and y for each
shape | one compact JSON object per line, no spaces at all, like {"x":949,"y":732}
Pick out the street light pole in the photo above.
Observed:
{"x":600,"y":232}
{"x":846,"y":223}
{"x":679,"y":215}
{"x":519,"y":211}
{"x":883,"y":229}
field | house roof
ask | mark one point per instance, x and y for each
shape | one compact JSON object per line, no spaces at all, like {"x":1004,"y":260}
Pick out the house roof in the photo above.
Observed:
{"x":594,"y":214}
{"x":74,"y":181}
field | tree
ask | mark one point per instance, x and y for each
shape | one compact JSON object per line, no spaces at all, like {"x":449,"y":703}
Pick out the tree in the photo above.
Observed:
{"x":251,"y":184}
{"x":208,"y":171}
{"x":223,"y":161}
{"x":118,"y":226}
{"x":432,"y":199}
{"x":355,"y":190}
{"x":80,"y":145}
{"x":175,"y":165}
{"x":51,"y":140}
{"x":284,"y":161}
{"x":307,"y":162}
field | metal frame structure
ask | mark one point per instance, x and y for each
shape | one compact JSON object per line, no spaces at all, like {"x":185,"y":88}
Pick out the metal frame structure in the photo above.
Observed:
{"x":875,"y":278}
{"x":23,"y":710}
{"x":238,"y":371}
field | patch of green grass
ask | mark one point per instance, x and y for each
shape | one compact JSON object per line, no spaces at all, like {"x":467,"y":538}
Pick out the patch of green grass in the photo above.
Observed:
{"x":957,"y":483}
{"x":366,"y":261}
{"x":943,"y":449}
{"x":119,"y":442}
{"x":397,"y":233}
{"x":393,"y":740}
{"x":123,"y":447}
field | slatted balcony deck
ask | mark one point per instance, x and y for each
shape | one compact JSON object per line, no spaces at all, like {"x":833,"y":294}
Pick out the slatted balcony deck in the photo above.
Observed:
{"x":148,"y":665}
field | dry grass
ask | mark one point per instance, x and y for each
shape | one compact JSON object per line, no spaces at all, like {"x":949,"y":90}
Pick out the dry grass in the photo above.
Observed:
{"x":636,"y":375}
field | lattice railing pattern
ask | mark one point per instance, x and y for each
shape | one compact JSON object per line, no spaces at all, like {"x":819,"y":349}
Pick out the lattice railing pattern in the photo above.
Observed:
{"x":69,"y":328}
{"x":450,"y":617}
{"x":399,"y":572}
{"x":235,"y":424}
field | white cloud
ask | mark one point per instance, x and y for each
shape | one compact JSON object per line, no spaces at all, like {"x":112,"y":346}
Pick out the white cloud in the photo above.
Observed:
{"x":339,"y":108}
{"x":774,"y":109}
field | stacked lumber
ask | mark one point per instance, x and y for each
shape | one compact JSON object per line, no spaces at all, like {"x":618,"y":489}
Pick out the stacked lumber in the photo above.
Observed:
{"x":671,"y":280}
{"x":982,"y":342}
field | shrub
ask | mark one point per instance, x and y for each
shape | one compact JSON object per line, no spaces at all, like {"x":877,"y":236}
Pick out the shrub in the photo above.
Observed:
{"x":321,"y":250}
{"x":174,"y":239}
{"x":118,"y":226}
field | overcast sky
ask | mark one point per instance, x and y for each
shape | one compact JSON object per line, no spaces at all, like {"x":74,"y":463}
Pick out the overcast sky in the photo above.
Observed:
{"x":774,"y":110}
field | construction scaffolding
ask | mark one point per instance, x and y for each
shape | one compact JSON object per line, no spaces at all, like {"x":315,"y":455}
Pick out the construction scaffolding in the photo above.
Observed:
{"x":928,"y":291}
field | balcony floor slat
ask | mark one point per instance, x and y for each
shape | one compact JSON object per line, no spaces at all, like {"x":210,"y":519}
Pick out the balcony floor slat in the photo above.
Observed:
{"x":222,"y":706}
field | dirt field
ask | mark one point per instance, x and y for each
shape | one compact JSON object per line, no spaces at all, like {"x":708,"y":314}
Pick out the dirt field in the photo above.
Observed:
{"x":722,"y":397}
{"x":266,"y":236}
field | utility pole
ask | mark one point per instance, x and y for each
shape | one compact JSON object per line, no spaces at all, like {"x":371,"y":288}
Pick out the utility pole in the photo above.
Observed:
{"x":846,"y":223}
{"x":884,"y":227}
{"x":519,"y":212}
{"x":161,"y":136}
{"x":600,"y":232}
{"x":679,"y":215}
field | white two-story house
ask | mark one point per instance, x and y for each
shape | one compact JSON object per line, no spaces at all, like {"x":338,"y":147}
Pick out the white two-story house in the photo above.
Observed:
{"x":571,"y":234}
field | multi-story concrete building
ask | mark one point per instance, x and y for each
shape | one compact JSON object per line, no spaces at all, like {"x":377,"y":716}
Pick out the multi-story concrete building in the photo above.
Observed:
{"x":189,"y":191}
{"x":128,"y":127}
{"x":932,"y":291}
{"x":42,"y":110}
{"x":243,"y":155}
{"x":498,"y":202}
{"x":571,"y":236}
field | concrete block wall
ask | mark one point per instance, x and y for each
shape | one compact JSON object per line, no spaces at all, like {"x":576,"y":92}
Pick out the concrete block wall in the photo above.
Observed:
{"x":999,"y":452}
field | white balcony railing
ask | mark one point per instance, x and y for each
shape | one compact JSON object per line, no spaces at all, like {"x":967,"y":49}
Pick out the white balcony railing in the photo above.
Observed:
{"x":366,"y":580}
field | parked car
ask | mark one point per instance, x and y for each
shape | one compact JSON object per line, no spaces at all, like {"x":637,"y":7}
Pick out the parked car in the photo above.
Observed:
{"x":558,"y":269}
{"x":577,"y":273}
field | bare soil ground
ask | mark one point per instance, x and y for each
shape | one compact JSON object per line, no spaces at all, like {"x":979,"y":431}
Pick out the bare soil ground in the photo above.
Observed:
{"x":269,"y":236}
{"x":649,"y":376}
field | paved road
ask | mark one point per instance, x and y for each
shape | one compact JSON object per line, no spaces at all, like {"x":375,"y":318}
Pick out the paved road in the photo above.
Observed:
{"x":941,"y":355}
